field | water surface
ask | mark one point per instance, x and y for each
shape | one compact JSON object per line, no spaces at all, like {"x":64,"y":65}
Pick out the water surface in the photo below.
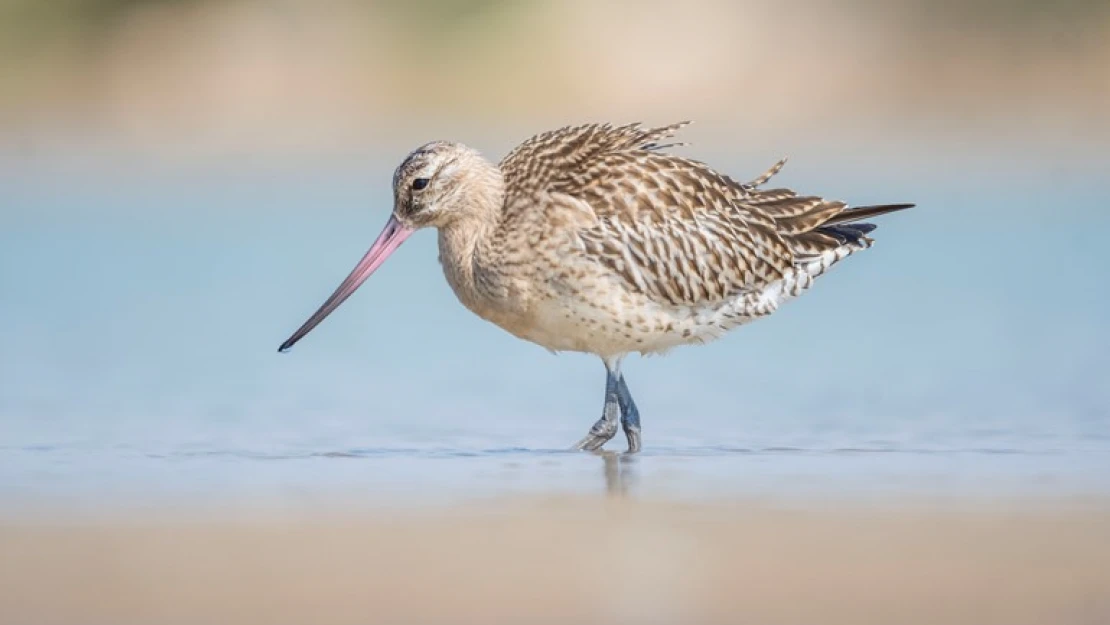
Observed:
{"x":142,"y":305}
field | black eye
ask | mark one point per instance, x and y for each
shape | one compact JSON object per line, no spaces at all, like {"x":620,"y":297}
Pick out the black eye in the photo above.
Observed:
{"x":419,"y":183}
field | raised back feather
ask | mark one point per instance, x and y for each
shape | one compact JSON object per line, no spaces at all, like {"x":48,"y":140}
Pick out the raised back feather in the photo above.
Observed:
{"x":674,"y":228}
{"x":543,"y":159}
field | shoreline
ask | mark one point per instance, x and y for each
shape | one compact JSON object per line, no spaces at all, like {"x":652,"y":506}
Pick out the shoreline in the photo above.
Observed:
{"x":572,"y":559}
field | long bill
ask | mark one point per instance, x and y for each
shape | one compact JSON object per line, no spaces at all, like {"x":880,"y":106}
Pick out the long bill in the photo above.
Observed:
{"x":392,"y":236}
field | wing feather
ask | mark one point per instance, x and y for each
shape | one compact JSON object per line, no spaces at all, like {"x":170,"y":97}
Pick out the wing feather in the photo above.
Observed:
{"x":673,"y":228}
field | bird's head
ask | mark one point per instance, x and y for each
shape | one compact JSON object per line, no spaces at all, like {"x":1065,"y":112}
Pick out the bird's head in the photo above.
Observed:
{"x":440,"y":184}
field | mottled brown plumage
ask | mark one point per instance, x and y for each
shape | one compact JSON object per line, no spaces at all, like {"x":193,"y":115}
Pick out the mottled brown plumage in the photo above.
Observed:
{"x":594,"y":239}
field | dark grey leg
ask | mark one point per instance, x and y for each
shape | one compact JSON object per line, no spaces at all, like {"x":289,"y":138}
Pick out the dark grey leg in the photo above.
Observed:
{"x":630,"y":416}
{"x":606,"y":426}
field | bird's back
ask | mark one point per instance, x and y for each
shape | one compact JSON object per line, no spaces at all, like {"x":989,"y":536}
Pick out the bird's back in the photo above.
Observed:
{"x":673,"y":234}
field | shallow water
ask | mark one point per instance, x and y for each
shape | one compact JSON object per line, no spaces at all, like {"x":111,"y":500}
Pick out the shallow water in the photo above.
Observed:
{"x":142,"y":305}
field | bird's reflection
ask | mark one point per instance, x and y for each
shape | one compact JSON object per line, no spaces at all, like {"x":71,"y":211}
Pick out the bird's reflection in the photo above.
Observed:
{"x":619,"y":471}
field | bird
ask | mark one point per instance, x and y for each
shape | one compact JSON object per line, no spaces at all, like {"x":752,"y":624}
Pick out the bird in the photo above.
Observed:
{"x":597,"y":238}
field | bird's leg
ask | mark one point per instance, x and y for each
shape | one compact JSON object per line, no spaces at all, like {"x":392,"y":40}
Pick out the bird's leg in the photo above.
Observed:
{"x":630,"y":415}
{"x":606,"y":427}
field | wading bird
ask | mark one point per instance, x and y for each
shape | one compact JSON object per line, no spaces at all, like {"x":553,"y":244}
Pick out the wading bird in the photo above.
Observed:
{"x":594,"y":239}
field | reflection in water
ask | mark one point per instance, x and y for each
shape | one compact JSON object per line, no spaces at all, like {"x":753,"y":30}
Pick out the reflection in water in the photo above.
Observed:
{"x":619,"y":472}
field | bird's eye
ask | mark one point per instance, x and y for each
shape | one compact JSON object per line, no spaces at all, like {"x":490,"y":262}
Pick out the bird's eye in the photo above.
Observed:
{"x":419,"y":183}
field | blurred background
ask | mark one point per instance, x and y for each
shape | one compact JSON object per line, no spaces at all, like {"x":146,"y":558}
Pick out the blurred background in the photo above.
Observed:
{"x":300,"y":76}
{"x":183,"y":181}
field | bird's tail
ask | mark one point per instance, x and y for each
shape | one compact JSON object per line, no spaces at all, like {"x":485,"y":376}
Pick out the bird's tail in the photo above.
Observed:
{"x":865,"y":212}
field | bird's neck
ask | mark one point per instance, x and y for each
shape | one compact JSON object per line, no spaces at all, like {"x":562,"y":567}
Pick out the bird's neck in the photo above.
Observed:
{"x":465,"y":243}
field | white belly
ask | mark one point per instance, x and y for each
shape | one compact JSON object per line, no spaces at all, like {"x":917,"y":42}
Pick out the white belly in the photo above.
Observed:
{"x":607,"y":320}
{"x":617,"y":324}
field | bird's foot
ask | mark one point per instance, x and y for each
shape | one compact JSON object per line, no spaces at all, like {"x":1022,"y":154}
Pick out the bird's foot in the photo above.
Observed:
{"x":633,"y":435}
{"x":604,"y":428}
{"x":630,"y":416}
{"x":601,"y":432}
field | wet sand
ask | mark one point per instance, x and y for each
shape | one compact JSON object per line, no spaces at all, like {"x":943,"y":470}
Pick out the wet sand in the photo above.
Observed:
{"x":569,"y":560}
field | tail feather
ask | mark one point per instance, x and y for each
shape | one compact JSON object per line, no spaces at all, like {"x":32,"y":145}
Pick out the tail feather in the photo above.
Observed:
{"x":847,"y":233}
{"x":813,"y":227}
{"x":839,"y":230}
{"x":865,"y":212}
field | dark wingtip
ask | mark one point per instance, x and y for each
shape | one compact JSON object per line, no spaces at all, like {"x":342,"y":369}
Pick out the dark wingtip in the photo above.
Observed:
{"x":863,"y":229}
{"x":285,"y":347}
{"x":866,"y":212}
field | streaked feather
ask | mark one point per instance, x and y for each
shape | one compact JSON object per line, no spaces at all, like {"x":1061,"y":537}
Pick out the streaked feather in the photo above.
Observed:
{"x":672,"y":228}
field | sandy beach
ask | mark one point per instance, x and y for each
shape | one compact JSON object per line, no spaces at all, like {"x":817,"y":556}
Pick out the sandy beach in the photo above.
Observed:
{"x":569,"y":560}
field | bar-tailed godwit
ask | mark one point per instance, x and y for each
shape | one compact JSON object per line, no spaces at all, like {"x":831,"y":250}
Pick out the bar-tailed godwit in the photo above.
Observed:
{"x":594,"y":239}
